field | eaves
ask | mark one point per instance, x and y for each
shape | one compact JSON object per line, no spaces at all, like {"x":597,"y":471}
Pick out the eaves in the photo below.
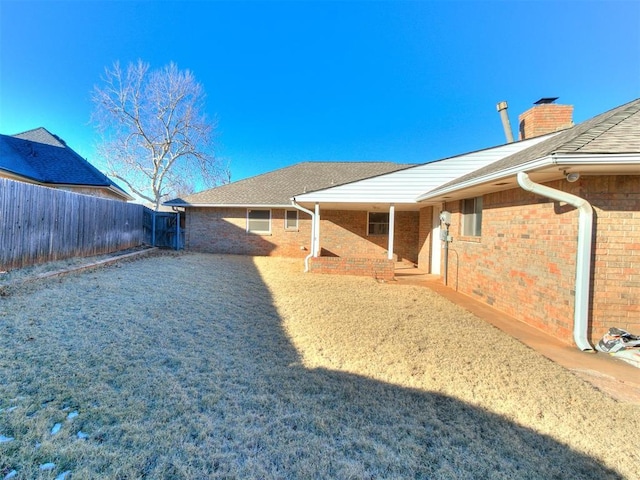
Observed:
{"x":227,"y":205}
{"x":550,"y":167}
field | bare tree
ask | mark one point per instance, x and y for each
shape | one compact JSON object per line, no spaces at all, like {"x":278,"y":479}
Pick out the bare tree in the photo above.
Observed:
{"x":155,"y":137}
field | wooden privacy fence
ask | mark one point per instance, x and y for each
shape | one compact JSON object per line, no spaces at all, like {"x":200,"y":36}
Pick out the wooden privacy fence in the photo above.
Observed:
{"x":40,"y":224}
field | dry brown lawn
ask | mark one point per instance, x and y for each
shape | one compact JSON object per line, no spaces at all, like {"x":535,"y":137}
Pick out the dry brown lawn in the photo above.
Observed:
{"x":206,"y":366}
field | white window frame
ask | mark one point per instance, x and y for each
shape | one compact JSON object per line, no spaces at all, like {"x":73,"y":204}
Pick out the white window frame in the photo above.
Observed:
{"x":370,"y":223}
{"x":258,"y":231}
{"x":287,"y":227}
{"x":471,"y":209}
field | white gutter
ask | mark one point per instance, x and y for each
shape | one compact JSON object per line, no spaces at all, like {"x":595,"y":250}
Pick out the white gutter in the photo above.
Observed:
{"x":570,"y":159}
{"x":611,"y":159}
{"x":313,"y":232}
{"x":230,"y":205}
{"x":583,"y":254}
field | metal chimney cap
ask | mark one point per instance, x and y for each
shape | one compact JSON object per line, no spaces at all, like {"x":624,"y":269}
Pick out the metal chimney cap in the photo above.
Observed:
{"x":545,"y":100}
{"x":502,"y":106}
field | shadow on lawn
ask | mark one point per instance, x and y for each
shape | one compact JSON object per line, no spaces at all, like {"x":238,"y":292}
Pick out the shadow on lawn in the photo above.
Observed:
{"x":221,"y":392}
{"x":292,"y":422}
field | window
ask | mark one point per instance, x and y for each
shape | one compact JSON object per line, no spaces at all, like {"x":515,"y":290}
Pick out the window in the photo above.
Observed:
{"x":472,"y":217}
{"x":378,"y":223}
{"x":259,"y":221}
{"x":291,"y":220}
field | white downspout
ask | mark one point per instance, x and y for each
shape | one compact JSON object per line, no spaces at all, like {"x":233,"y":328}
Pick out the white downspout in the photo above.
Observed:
{"x":313,"y":232}
{"x":583,"y":254}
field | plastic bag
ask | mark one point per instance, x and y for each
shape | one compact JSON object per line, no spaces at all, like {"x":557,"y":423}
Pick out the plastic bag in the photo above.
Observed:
{"x":617,"y":339}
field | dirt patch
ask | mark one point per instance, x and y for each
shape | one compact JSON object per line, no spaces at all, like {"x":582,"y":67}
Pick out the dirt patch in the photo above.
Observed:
{"x":208,"y":366}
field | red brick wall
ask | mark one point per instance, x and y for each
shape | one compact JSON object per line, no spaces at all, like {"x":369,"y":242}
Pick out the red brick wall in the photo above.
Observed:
{"x":616,"y":302}
{"x":223,"y":230}
{"x":524,"y":262}
{"x":379,"y":268}
{"x":545,"y":118}
{"x":343,"y":233}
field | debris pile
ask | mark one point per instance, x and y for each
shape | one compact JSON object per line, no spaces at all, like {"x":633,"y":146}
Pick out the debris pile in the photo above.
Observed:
{"x":621,"y":344}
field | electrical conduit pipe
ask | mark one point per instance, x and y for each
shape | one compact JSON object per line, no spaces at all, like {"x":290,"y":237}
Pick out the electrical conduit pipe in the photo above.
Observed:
{"x":313,"y":232}
{"x":583,"y":254}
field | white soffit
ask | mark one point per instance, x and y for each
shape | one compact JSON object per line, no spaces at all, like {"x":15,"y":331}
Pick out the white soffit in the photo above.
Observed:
{"x":405,"y":186}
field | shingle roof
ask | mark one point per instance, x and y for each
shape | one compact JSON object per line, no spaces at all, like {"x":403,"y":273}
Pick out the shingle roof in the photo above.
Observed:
{"x":43,"y":157}
{"x":277,"y":187}
{"x":41,"y":135}
{"x":615,"y":131}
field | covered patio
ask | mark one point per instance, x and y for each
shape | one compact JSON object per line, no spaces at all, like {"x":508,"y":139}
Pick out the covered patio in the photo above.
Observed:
{"x":373,"y":239}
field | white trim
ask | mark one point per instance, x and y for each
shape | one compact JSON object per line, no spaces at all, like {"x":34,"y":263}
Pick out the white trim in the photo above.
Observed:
{"x":608,"y":159}
{"x":556,"y":159}
{"x":369,"y":234}
{"x":313,"y":229}
{"x":436,"y":243}
{"x":392,"y":217}
{"x":316,"y":246}
{"x":542,"y":162}
{"x":297,"y":226}
{"x":402,"y":187}
{"x":471,"y":221}
{"x":228,"y":205}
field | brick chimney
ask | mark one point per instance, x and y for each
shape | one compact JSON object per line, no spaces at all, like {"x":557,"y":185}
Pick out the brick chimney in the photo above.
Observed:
{"x":545,"y":117}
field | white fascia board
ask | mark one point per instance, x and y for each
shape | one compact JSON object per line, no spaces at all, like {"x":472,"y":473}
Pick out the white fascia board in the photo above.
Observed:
{"x":492,"y":177}
{"x":559,"y":160}
{"x":612,"y":159}
{"x":404,"y":186}
{"x":229,"y":205}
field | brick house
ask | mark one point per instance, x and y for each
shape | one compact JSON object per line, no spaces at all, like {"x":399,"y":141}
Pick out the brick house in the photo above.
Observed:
{"x":255,"y":216}
{"x":545,"y":229}
{"x":42,"y":158}
{"x":551,"y":235}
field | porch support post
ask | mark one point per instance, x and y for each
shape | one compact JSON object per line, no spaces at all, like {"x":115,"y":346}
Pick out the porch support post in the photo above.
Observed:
{"x":177,"y":230}
{"x":316,"y":243}
{"x":392,"y":215}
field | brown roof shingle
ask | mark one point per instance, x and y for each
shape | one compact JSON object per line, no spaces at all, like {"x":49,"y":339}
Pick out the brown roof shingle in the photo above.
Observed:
{"x":277,"y":187}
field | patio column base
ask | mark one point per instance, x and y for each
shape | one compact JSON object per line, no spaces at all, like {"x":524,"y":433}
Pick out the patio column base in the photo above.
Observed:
{"x":379,"y":268}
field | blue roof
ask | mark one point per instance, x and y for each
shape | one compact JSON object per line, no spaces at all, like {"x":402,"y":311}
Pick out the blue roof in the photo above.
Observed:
{"x":43,"y":157}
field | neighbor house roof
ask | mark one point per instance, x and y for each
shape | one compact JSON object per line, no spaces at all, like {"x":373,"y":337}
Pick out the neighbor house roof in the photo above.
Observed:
{"x":42,"y":157}
{"x":611,"y":138}
{"x":276,"y":188}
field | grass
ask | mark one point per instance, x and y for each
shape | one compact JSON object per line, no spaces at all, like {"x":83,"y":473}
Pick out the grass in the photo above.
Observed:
{"x":203,"y":366}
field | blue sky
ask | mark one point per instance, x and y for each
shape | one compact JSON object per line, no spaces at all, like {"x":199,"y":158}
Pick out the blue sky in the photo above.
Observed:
{"x":295,"y":81}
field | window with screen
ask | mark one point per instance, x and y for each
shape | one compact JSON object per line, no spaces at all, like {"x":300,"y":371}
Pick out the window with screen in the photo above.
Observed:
{"x":378,"y":223}
{"x":472,"y":217}
{"x":291,"y":220}
{"x":259,"y":221}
